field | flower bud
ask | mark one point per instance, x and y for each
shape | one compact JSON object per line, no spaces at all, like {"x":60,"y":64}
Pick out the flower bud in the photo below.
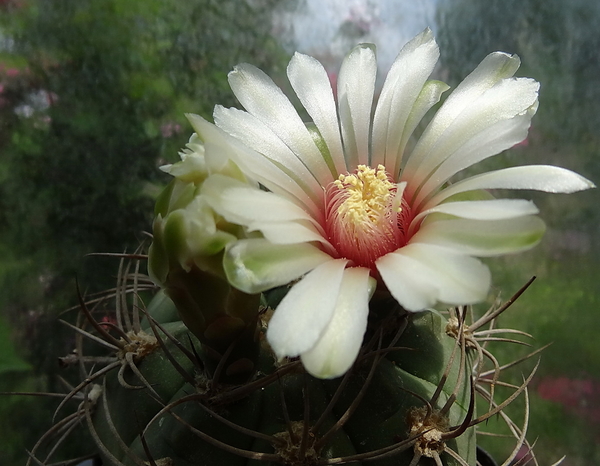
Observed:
{"x":186,"y":258}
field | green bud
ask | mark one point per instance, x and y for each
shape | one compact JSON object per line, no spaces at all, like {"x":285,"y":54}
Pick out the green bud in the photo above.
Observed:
{"x":186,"y":260}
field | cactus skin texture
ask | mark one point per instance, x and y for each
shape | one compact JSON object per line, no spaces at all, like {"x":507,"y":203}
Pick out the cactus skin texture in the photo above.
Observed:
{"x":392,"y":408}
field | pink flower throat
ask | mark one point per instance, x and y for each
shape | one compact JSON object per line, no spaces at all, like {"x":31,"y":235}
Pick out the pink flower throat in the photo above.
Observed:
{"x":366,"y":215}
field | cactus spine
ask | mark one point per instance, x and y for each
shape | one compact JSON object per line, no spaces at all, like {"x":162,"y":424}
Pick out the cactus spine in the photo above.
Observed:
{"x":408,"y":400}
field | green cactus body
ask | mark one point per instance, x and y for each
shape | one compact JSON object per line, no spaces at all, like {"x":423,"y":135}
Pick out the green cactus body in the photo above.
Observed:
{"x":374,"y":408}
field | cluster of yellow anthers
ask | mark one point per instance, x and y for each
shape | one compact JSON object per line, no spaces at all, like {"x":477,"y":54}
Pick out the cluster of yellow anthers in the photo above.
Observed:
{"x":367,"y":195}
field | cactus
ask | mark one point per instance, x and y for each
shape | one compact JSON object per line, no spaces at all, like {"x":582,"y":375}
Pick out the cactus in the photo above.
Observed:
{"x":282,"y":415}
{"x":409,"y":399}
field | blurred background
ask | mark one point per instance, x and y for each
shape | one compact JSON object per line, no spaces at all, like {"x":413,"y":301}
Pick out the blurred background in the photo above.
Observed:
{"x":92,"y":100}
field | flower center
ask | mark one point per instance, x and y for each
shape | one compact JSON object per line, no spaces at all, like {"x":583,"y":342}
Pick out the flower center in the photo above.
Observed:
{"x":366,"y":215}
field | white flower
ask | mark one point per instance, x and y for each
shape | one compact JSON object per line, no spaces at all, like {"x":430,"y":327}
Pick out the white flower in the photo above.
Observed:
{"x":351,"y":207}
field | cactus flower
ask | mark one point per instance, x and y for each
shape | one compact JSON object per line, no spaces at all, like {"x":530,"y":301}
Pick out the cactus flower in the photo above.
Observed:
{"x":353,"y":204}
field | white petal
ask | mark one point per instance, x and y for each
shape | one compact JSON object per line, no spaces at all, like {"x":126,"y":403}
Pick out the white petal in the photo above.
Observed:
{"x":506,"y":100}
{"x":218,"y":143}
{"x":208,"y":133}
{"x":336,"y":350}
{"x":402,"y":87}
{"x":255,"y":265}
{"x":405,"y":279}
{"x":291,"y":232}
{"x":430,"y":95}
{"x":254,"y":133}
{"x":483,"y":238}
{"x":496,"y":209}
{"x":243,"y":204}
{"x":262,"y":98}
{"x":491,"y":70}
{"x":491,"y":141}
{"x":546,"y":178}
{"x":311,"y":83}
{"x":419,"y":275}
{"x":278,"y":218}
{"x":304,"y":313}
{"x":356,"y":86}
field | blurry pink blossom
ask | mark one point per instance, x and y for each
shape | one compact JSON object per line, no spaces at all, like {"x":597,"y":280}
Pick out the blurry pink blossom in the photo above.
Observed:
{"x":579,"y":396}
{"x":170,"y":129}
{"x":13,"y":72}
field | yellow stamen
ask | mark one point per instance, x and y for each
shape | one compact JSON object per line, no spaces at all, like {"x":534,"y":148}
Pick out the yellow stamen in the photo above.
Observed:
{"x":367,"y":195}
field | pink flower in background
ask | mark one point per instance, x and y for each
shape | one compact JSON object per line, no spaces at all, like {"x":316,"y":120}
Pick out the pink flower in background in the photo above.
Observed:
{"x":579,"y":396}
{"x":170,"y":129}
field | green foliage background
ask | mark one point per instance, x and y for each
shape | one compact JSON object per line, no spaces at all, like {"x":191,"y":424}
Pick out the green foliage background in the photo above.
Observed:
{"x":101,"y":90}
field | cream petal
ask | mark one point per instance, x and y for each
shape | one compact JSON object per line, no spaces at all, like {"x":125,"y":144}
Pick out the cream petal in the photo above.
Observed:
{"x":494,"y":68}
{"x":400,"y":91}
{"x":546,"y":178}
{"x":278,"y":218}
{"x":255,"y":265}
{"x":483,"y":238}
{"x":419,"y":275}
{"x":303,"y":315}
{"x":262,"y":98}
{"x":430,"y":95}
{"x":228,"y":147}
{"x":491,"y":141}
{"x":312,"y":86}
{"x":243,"y":204}
{"x":356,"y":86}
{"x":495,"y":209}
{"x":509,"y":98}
{"x":220,"y":145}
{"x":251,"y":131}
{"x":291,"y":232}
{"x":336,"y":350}
{"x":402,"y":276}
